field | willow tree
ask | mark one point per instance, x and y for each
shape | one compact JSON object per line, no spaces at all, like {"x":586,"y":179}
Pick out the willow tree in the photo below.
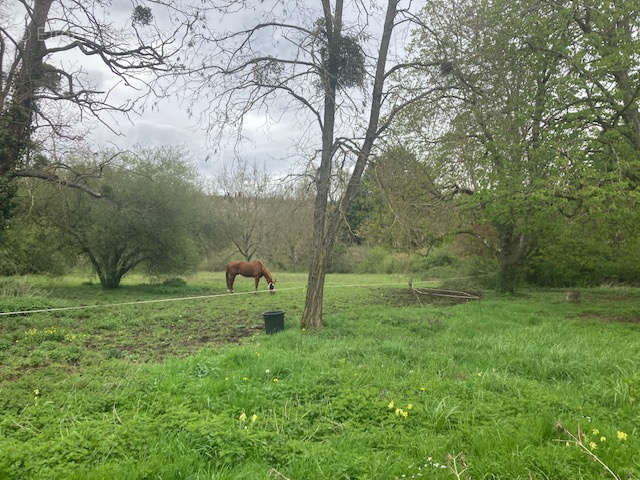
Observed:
{"x":327,"y":63}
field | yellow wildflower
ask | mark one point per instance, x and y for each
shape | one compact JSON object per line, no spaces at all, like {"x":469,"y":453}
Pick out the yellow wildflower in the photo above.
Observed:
{"x":244,"y":379}
{"x":410,"y":406}
{"x":593,"y":445}
{"x":242,"y":417}
{"x":422,"y":389}
{"x":398,"y":411}
{"x":404,"y":413}
{"x":391,"y":405}
{"x":566,"y":444}
{"x":275,"y":380}
{"x":36,"y":392}
{"x":603,"y":439}
{"x":595,"y":431}
{"x":621,"y":436}
{"x":254,"y":417}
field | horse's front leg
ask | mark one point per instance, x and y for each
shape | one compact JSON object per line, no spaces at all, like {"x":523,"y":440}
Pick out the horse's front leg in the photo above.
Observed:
{"x":257,"y":282}
{"x":230,"y":279}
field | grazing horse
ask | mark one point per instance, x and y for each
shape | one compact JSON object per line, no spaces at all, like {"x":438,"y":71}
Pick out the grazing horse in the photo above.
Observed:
{"x":255,"y":269}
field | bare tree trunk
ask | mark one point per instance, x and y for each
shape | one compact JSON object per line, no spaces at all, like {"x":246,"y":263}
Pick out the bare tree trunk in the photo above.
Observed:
{"x":312,"y":315}
{"x":325,"y":227}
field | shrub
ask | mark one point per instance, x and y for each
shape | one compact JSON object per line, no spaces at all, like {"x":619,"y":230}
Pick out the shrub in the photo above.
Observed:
{"x":175,"y":282}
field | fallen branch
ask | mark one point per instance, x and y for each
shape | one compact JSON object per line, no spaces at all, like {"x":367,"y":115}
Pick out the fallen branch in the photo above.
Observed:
{"x":436,"y":292}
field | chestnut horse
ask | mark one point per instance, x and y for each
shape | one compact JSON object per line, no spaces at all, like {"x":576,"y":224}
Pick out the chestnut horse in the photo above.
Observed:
{"x":255,"y":269}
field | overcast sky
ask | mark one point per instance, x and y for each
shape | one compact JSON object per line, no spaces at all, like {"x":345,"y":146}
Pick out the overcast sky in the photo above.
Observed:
{"x":274,"y":144}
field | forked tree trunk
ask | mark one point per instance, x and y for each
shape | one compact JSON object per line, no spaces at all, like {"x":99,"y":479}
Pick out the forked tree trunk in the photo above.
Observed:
{"x":325,"y":226}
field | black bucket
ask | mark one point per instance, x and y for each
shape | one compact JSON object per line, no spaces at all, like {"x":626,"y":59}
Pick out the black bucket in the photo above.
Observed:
{"x":273,"y":321}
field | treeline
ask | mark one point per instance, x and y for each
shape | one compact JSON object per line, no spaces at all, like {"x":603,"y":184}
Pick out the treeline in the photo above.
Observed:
{"x":150,"y":211}
{"x":156,"y":215}
{"x":510,"y":151}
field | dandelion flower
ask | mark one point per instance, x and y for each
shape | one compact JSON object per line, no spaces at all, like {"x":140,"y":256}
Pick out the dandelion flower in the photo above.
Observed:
{"x":391,"y":405}
{"x":422,"y":389}
{"x":244,"y":379}
{"x":603,"y":439}
{"x":254,"y":417}
{"x":593,"y":445}
{"x":398,"y":411}
{"x":621,"y":436}
{"x":242,"y":417}
{"x":404,"y":413}
{"x":595,"y":431}
{"x":275,"y":380}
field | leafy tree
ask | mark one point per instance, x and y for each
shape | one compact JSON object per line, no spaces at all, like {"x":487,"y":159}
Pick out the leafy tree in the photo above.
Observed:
{"x":508,"y":151}
{"x":404,"y":205}
{"x":145,"y":219}
{"x":535,"y":119}
{"x":30,"y":245}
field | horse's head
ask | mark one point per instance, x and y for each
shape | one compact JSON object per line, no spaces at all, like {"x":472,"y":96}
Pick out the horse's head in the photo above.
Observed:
{"x":272,"y":286}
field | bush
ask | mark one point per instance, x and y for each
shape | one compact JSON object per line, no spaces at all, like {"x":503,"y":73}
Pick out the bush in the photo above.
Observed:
{"x":175,"y":282}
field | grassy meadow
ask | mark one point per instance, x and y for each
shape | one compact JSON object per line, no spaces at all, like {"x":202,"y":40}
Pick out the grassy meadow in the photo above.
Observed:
{"x":391,"y":388}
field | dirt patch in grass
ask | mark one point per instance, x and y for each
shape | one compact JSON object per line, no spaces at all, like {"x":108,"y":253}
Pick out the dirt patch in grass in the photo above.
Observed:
{"x":400,"y":297}
{"x":175,"y":339}
{"x":611,"y":318}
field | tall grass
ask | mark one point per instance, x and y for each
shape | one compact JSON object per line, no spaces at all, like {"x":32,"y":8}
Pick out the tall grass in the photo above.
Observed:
{"x":483,"y":382}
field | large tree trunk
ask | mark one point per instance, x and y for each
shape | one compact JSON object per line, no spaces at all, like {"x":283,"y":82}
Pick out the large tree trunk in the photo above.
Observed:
{"x":513,"y":250}
{"x":16,"y":118}
{"x":15,"y":123}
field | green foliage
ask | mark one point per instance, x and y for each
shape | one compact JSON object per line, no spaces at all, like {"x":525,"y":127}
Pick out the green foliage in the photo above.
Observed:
{"x":490,"y":379}
{"x":7,"y":205}
{"x":30,"y":247}
{"x":174,"y":282}
{"x":400,"y":205}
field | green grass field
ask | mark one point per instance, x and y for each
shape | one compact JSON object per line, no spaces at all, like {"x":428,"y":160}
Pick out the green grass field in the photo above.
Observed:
{"x":390,"y":388}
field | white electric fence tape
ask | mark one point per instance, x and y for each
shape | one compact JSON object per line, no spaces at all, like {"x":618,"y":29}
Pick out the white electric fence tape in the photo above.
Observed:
{"x":200,"y":297}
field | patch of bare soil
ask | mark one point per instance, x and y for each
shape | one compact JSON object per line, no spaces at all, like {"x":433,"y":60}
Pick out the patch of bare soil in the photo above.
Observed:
{"x":611,"y":318}
{"x":400,"y":297}
{"x":175,"y":339}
